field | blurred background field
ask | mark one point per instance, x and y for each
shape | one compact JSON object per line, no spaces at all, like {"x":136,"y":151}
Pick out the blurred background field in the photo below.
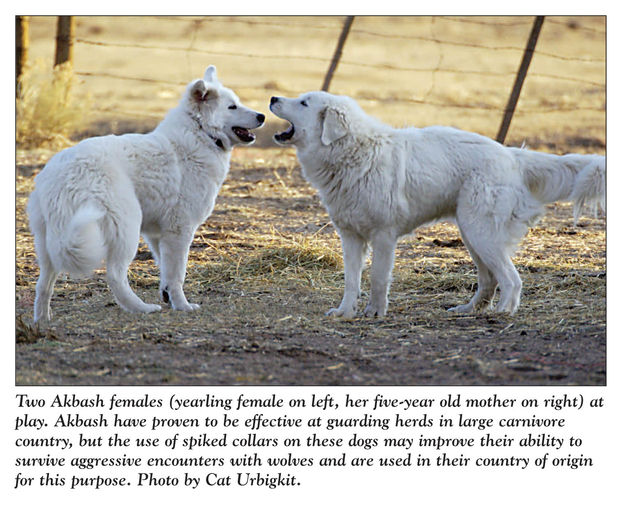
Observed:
{"x":420,"y":71}
{"x":267,"y":265}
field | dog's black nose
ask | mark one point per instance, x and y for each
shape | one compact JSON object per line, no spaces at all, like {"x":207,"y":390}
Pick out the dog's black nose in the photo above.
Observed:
{"x":274,"y":99}
{"x":260,"y":118}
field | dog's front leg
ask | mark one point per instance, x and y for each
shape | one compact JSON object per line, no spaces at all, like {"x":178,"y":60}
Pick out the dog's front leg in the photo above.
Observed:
{"x":383,"y":245}
{"x":153,"y":242}
{"x":354,"y":253}
{"x":174,"y":251}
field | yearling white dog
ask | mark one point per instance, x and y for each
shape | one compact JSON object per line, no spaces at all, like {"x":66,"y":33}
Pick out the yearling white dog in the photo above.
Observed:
{"x":93,"y":200}
{"x":379,"y":183}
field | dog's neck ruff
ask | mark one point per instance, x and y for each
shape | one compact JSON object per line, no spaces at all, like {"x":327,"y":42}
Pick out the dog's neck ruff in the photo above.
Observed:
{"x":198,"y":121}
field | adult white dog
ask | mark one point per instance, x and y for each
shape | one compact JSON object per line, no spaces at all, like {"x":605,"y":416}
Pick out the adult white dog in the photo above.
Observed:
{"x":379,"y":183}
{"x":93,"y":200}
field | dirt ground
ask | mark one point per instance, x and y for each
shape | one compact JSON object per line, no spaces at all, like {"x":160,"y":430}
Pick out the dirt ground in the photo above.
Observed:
{"x":267,"y":264}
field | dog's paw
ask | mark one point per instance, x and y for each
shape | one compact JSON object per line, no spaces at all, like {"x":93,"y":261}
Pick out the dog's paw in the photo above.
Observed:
{"x":43,"y":318}
{"x":187,"y":307}
{"x":373,"y":311}
{"x":150,"y":307}
{"x":462,"y":309}
{"x":341,"y":313}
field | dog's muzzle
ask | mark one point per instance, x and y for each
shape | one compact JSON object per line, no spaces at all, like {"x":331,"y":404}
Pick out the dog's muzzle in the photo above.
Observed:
{"x":284,"y":136}
{"x":244,"y":134}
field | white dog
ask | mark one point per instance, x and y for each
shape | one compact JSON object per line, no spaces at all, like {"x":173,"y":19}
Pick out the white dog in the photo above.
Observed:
{"x":93,"y":200}
{"x":379,"y":183}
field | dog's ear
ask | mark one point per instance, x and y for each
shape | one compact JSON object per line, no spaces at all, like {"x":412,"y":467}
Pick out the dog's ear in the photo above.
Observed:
{"x":201,"y":92}
{"x":211,"y":74}
{"x":333,"y":126}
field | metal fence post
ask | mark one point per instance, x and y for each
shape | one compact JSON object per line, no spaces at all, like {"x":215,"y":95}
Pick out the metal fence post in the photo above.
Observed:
{"x":64,"y":40}
{"x":337,"y":53}
{"x":518,"y":83}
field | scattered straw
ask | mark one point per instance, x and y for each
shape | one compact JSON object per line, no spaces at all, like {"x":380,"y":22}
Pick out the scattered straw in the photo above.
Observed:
{"x":29,"y":334}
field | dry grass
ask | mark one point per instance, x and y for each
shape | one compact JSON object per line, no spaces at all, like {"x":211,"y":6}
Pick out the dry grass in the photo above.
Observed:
{"x":47,"y":110}
{"x":273,"y":257}
{"x":266,"y":267}
{"x":26,"y":333}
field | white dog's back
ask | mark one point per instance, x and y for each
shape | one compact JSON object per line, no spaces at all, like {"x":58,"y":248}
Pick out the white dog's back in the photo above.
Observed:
{"x":80,"y":198}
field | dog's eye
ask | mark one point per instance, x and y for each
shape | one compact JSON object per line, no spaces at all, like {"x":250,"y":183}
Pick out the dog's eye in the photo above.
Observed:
{"x":303,"y":102}
{"x":232,"y":107}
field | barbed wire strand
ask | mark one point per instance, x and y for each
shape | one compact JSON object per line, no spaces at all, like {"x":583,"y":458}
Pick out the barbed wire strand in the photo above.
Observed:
{"x":357,"y":30}
{"x":239,"y":19}
{"x":386,"y":66}
{"x":297,"y":26}
{"x":577,"y":27}
{"x":475,"y":45}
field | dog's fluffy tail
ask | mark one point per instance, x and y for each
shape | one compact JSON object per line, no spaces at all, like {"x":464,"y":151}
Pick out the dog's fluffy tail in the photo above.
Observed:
{"x":589,"y":188}
{"x":81,"y":248}
{"x":579,"y":178}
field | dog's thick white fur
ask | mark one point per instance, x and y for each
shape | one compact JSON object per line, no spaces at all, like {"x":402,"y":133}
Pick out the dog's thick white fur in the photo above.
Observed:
{"x":92,"y":201}
{"x":379,"y":183}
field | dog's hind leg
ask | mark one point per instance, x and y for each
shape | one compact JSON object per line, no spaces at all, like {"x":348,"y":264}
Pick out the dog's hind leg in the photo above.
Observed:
{"x":44,"y":288}
{"x":121,"y":254}
{"x":354,"y":253}
{"x":174,"y":254}
{"x":491,"y":231}
{"x":47,"y":273}
{"x":495,"y":258}
{"x":510,"y":284}
{"x":153,"y":243}
{"x":486,"y":282}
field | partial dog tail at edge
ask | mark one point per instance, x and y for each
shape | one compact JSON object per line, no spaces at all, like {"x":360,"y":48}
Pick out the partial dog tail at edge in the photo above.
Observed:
{"x":82,"y":247}
{"x":579,"y":178}
{"x":589,"y":188}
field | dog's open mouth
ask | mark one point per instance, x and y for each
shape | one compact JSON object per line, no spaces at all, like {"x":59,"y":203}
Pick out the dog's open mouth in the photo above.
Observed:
{"x":243,"y":133}
{"x":286,"y":135}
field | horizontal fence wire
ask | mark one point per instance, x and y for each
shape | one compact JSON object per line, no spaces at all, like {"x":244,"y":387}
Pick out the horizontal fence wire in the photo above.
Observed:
{"x":505,"y":24}
{"x":382,"y":66}
{"x":329,"y":29}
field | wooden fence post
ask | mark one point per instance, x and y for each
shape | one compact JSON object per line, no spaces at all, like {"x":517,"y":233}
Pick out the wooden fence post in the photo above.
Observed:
{"x":21,"y":49}
{"x":64,"y":40}
{"x":518,"y":83}
{"x":337,"y":53}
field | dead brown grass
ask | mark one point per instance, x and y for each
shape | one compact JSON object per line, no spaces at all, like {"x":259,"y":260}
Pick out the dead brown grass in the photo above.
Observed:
{"x":265,"y":268}
{"x":272,"y":257}
{"x":47,"y":110}
{"x":26,"y":333}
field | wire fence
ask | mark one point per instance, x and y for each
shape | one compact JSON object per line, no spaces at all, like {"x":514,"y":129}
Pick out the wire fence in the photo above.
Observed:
{"x":444,"y":63}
